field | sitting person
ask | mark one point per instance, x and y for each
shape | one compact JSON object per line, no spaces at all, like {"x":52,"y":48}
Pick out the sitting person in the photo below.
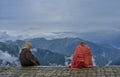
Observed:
{"x":82,"y":57}
{"x":26,"y":56}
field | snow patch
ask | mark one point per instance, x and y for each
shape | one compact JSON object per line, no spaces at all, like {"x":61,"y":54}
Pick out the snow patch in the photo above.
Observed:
{"x":68,"y":60}
{"x":103,"y":54}
{"x":7,"y":59}
{"x":109,"y":62}
{"x":93,"y":59}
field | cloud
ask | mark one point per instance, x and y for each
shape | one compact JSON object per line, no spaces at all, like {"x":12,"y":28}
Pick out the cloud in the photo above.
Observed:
{"x":45,"y":16}
{"x":6,"y":59}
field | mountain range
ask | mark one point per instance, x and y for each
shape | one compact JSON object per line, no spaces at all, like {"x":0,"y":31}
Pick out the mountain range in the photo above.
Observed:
{"x":102,"y":54}
{"x":9,"y":55}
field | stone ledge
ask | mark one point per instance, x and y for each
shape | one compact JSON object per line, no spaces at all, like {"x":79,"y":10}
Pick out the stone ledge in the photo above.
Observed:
{"x":46,"y":71}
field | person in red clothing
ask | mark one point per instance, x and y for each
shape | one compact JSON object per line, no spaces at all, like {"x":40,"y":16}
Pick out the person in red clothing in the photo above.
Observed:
{"x":82,"y":57}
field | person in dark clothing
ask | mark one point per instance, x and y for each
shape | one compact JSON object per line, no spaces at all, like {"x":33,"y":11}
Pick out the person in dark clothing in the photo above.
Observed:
{"x":26,"y":56}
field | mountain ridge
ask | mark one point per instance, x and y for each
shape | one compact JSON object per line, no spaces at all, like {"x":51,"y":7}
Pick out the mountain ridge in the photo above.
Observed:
{"x":103,"y":55}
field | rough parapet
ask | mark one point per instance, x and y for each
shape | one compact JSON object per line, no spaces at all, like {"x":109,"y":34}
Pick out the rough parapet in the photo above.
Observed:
{"x":111,"y":71}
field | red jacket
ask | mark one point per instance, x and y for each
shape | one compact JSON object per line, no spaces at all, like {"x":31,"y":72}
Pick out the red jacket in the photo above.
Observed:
{"x":82,"y":57}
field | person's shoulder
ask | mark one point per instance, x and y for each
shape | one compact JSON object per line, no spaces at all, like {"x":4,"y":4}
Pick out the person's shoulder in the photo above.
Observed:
{"x":78,"y":46}
{"x":87,"y":46}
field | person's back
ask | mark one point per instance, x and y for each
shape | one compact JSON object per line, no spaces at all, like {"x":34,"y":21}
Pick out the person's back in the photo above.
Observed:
{"x":82,"y":57}
{"x":86,"y":52}
{"x":26,"y":57}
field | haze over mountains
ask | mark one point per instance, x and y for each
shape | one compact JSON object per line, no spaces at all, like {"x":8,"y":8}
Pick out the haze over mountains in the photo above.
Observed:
{"x":110,"y":37}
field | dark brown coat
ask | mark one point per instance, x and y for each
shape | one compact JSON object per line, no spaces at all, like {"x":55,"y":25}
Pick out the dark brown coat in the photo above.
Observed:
{"x":27,"y":58}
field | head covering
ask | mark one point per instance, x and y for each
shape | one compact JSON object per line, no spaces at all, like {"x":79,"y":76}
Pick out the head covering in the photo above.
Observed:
{"x":27,"y":45}
{"x":82,"y":42}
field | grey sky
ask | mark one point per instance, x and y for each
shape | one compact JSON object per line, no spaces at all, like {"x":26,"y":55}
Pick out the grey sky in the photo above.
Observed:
{"x":19,"y":17}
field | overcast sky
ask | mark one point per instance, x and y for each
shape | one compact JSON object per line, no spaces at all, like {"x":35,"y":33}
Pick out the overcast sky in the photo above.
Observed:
{"x":22,"y":17}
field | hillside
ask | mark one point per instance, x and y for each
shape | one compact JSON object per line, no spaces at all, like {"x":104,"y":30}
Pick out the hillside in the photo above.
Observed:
{"x":47,"y":57}
{"x":116,"y":62}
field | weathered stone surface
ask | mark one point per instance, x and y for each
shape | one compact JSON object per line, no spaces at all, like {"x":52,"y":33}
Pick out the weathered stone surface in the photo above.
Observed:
{"x":111,"y":71}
